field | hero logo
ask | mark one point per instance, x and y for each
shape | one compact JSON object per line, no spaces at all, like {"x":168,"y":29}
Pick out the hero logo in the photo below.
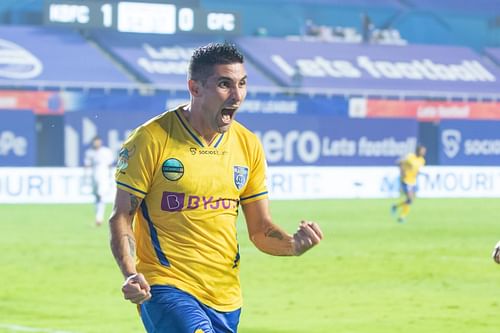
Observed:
{"x":280,"y":147}
{"x":17,"y":62}
{"x":451,"y":139}
{"x":9,"y":142}
{"x":308,"y":146}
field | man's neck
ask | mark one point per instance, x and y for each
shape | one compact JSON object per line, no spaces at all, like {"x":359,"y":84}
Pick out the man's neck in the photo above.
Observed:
{"x":196,"y":124}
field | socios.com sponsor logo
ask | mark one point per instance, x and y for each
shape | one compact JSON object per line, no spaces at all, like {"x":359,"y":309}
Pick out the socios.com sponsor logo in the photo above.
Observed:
{"x":17,"y":62}
{"x":451,"y":139}
{"x":452,"y":145}
{"x":485,"y":147}
{"x":309,"y":147}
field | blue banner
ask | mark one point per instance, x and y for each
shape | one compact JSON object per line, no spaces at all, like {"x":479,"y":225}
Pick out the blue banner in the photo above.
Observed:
{"x":295,"y":104}
{"x":255,"y":103}
{"x":164,"y":59}
{"x":356,"y":67}
{"x":493,"y":53}
{"x":287,"y":139}
{"x":17,"y":138}
{"x":53,"y":55}
{"x":469,"y":142}
{"x":323,"y":141}
{"x":112,"y":127}
{"x":265,"y":104}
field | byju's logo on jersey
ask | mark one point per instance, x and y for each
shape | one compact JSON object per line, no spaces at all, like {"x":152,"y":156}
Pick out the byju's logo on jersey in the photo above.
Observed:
{"x":451,"y":139}
{"x":240,"y":176}
{"x":177,"y":201}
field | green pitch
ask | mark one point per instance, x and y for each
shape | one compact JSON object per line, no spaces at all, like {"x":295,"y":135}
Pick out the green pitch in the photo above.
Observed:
{"x":370,"y":274}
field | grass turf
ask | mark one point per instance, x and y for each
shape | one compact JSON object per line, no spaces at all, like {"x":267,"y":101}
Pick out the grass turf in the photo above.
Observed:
{"x":370,"y":274}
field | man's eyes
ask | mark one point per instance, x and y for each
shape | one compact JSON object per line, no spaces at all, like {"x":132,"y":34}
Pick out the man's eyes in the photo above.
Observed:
{"x":226,"y":84}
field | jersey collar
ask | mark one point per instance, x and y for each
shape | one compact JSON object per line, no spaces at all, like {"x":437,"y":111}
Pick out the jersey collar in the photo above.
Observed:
{"x":195,"y":136}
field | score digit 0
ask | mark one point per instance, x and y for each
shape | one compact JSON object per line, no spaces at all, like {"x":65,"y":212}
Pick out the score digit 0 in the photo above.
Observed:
{"x":186,"y":19}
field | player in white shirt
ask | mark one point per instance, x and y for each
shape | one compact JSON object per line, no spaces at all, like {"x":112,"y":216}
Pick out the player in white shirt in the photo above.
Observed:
{"x":99,"y":159}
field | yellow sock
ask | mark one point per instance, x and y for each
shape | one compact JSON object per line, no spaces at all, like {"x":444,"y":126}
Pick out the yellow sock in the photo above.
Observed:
{"x":405,"y":210}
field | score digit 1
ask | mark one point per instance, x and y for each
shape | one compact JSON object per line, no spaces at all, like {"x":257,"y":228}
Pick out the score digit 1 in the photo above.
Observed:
{"x":107,"y":15}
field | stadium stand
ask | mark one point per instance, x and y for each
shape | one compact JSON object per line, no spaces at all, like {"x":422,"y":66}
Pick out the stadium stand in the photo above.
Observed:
{"x":420,"y":60}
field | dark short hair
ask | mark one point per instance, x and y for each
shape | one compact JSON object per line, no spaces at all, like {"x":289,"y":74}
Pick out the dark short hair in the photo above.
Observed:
{"x":419,"y":146}
{"x":206,"y":57}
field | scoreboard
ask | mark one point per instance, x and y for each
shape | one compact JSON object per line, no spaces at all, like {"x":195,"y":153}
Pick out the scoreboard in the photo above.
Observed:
{"x":165,"y":17}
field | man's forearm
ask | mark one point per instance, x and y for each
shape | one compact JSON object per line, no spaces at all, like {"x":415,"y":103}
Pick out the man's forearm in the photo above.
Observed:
{"x":123,"y":246}
{"x":274,"y":241}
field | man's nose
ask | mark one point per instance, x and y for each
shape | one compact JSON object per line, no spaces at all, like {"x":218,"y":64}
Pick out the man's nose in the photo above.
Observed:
{"x":238,"y":94}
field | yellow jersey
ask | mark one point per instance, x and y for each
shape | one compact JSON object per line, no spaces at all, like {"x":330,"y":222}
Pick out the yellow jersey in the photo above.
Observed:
{"x":185,"y":228}
{"x":410,"y":166}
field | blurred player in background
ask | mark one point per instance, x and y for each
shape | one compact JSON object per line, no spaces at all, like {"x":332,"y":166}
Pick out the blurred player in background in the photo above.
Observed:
{"x":409,"y":167}
{"x":496,"y":253}
{"x":181,"y":179}
{"x":99,"y":159}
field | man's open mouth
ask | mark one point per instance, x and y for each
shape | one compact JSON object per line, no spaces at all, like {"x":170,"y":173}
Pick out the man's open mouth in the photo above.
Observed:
{"x":227,"y":114}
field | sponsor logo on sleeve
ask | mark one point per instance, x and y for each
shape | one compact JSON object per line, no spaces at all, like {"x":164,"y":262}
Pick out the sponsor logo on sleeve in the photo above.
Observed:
{"x":123,"y":157}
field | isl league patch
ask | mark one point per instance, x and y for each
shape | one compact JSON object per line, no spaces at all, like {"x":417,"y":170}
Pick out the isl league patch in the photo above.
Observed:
{"x":172,"y":169}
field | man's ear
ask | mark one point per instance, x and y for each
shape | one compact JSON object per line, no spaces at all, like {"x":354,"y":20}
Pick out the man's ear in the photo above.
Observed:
{"x":194,"y":87}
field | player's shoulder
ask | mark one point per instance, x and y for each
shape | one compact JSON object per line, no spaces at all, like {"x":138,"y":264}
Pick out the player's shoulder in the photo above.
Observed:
{"x":411,"y":156}
{"x":405,"y":158}
{"x":160,"y":120}
{"x":158,"y":126}
{"x":240,"y":130}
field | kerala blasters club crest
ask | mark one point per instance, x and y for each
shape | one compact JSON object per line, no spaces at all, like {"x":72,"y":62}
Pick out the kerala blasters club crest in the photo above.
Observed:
{"x":240,"y":176}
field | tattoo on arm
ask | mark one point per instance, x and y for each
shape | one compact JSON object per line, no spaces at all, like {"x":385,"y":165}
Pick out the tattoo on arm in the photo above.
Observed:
{"x":134,"y":202}
{"x":273,"y":233}
{"x":131,"y":245}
